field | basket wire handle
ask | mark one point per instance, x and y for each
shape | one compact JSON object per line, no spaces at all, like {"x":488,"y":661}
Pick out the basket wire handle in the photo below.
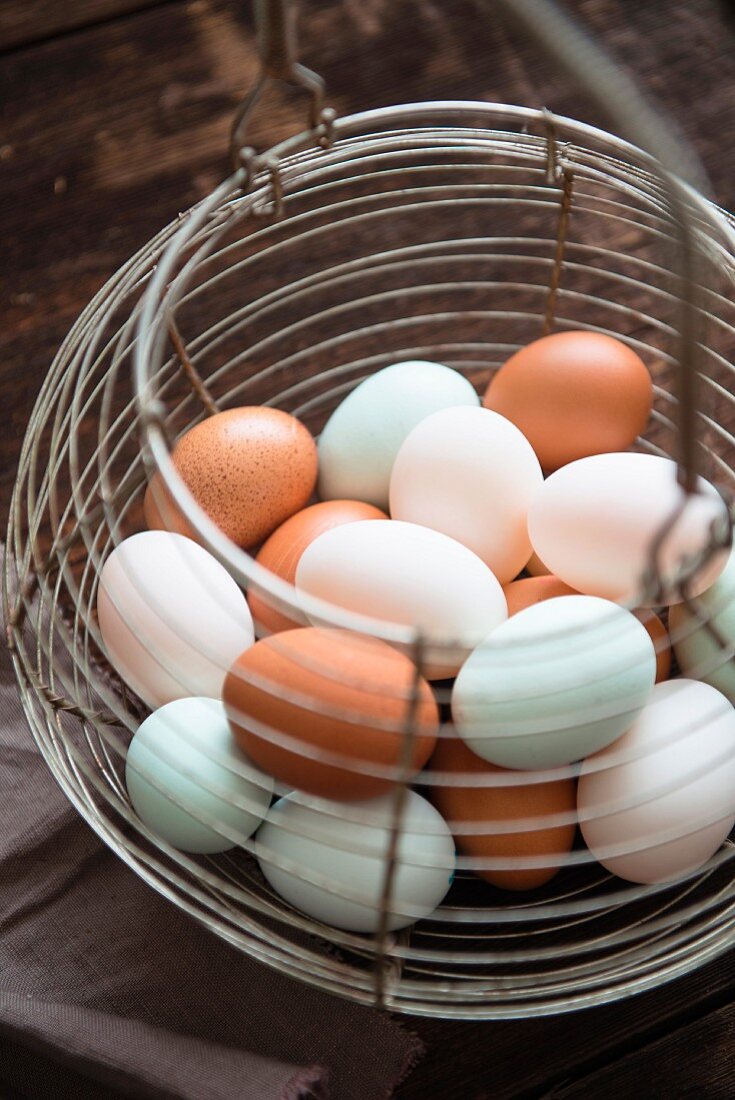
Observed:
{"x":276,"y":29}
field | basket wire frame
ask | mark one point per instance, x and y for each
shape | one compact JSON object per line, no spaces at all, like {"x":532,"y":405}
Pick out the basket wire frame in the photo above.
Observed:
{"x":312,"y":227}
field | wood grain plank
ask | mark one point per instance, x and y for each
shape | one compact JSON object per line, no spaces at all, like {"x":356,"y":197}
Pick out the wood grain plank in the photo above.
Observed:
{"x":693,"y":1063}
{"x":22,"y":24}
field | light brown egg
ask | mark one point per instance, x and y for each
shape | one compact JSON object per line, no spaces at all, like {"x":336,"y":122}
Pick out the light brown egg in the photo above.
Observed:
{"x":531,"y":590}
{"x":573,"y":394}
{"x":282,"y":551}
{"x":248,"y":468}
{"x":661,"y":641}
{"x":482,"y":805}
{"x":311,"y":691}
{"x":536,"y":567}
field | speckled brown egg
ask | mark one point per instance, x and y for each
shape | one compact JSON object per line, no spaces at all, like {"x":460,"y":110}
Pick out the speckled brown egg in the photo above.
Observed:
{"x":249,"y":469}
{"x":574,"y":394}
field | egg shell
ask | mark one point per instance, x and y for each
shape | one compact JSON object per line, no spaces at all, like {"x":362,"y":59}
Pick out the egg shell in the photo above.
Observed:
{"x":171,"y":617}
{"x":325,"y":711}
{"x":160,"y":511}
{"x":361,"y":439}
{"x":403,"y":573}
{"x":190,"y":783}
{"x":531,"y":822}
{"x":556,"y":682}
{"x":661,"y":642}
{"x":470,"y":474}
{"x":699,"y":654}
{"x":249,"y":469}
{"x":334,"y":860}
{"x":536,"y":567}
{"x":532,"y":590}
{"x":281,"y":552}
{"x":659,"y":802}
{"x":594,"y":521}
{"x":574,"y":394}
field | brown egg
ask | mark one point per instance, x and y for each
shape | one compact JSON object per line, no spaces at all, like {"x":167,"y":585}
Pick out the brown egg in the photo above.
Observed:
{"x":160,"y":511}
{"x":327,"y":691}
{"x":249,"y":469}
{"x":536,"y":567}
{"x":573,"y":394}
{"x":530,"y":590}
{"x":281,"y":552}
{"x":661,"y":640}
{"x":463,"y":806}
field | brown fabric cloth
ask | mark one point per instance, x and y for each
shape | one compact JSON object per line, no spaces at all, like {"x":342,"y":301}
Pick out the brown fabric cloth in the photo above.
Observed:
{"x":108,"y":990}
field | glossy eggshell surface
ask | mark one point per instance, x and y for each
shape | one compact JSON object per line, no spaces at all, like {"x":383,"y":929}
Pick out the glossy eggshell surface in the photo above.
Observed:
{"x":574,"y":394}
{"x":310,"y":692}
{"x":698,"y":652}
{"x":403,"y":573}
{"x":249,"y":469}
{"x":527,"y":822}
{"x":282,"y":551}
{"x":659,"y":802}
{"x":593,"y":523}
{"x":532,"y":590}
{"x":172,"y":619}
{"x":470,"y":474}
{"x":361,"y":439}
{"x":190,"y":783}
{"x":337,"y":853}
{"x":554,"y":683}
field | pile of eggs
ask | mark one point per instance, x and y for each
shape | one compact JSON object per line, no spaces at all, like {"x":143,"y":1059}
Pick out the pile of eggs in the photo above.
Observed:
{"x":509,"y":537}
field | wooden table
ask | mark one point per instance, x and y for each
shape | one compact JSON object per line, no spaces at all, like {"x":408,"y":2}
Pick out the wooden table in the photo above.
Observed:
{"x":115,"y":117}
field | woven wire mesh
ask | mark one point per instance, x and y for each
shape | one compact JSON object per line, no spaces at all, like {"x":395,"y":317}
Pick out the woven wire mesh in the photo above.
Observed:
{"x":455,"y":232}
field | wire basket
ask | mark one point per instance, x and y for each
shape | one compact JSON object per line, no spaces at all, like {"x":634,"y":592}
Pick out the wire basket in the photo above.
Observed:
{"x":454,"y":232}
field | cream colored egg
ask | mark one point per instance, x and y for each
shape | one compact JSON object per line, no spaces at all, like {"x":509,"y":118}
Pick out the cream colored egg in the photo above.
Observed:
{"x":593,"y":523}
{"x":472,"y":475}
{"x":659,"y":802}
{"x":411,"y":575}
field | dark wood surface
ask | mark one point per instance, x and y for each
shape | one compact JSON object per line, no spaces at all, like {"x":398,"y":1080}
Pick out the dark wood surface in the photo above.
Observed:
{"x":115,"y":116}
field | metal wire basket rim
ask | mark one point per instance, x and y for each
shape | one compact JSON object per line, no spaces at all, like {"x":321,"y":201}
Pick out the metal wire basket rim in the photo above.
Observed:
{"x":241,"y":564}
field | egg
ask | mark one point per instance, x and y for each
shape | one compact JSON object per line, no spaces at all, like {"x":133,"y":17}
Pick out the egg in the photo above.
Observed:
{"x":160,"y":511}
{"x":470,"y":474}
{"x":658,"y":803}
{"x":280,"y":553}
{"x":574,"y":394}
{"x":248,"y":468}
{"x":532,"y":590}
{"x":661,"y":642}
{"x":554,"y":683}
{"x":328,"y":860}
{"x":594,"y":522}
{"x":403,"y":573}
{"x":325,"y":711}
{"x":536,"y":567}
{"x":525,"y":829}
{"x":171,"y":617}
{"x":698,"y":652}
{"x":361,"y":439}
{"x":190,"y":783}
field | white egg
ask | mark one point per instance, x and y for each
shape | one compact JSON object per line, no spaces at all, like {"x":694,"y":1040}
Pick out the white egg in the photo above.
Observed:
{"x":172,"y":619}
{"x":594,"y":521}
{"x":699,"y":654}
{"x":411,"y":575}
{"x":334,"y":859}
{"x":659,"y":802}
{"x":470,"y":474}
{"x":361,"y":439}
{"x":190,"y":783}
{"x":557,"y":681}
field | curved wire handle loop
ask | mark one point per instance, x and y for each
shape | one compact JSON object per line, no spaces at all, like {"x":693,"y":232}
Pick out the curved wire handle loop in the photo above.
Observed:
{"x":277,"y":48}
